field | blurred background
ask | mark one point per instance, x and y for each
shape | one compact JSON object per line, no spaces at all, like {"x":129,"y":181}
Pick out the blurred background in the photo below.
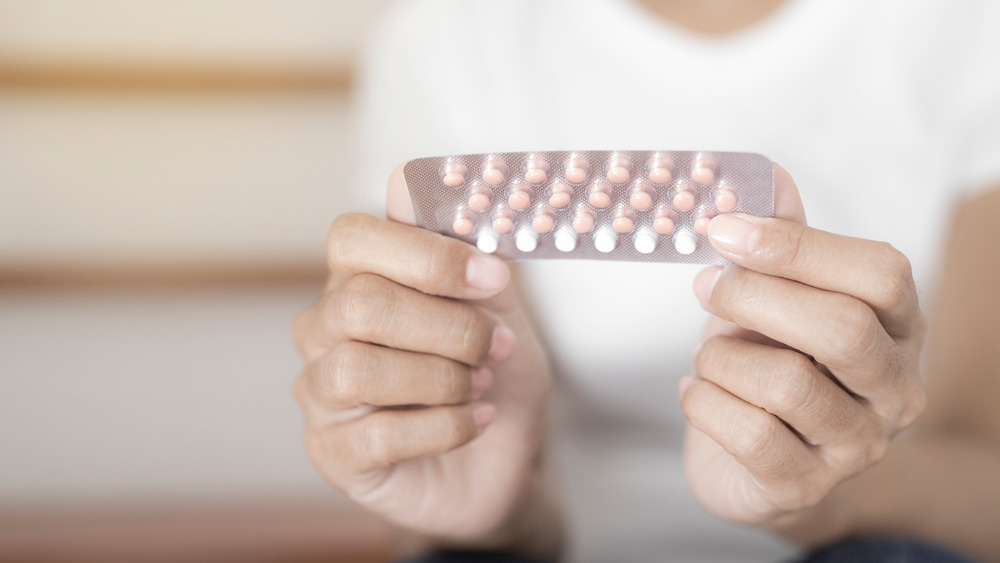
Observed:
{"x":168,"y":172}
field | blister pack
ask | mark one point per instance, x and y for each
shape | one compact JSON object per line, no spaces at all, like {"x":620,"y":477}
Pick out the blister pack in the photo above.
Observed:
{"x":640,"y":206}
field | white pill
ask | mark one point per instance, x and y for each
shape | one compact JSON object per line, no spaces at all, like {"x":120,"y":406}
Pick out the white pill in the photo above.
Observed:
{"x":488,"y":242}
{"x":526,"y":240}
{"x":645,"y":241}
{"x":685,"y":241}
{"x":605,"y":240}
{"x":565,"y":240}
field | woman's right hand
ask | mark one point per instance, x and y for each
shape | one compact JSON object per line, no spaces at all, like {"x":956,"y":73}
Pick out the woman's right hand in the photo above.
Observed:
{"x":425,"y":390}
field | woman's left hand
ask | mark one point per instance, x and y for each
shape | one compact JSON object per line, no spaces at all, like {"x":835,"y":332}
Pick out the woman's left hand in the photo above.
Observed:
{"x":809,"y":367}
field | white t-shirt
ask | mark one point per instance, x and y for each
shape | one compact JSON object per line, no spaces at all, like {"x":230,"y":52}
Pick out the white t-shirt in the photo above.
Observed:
{"x":885,"y":112}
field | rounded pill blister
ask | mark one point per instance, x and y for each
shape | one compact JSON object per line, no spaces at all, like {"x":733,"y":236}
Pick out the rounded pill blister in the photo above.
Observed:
{"x":659,"y":169}
{"x":618,"y":170}
{"x":487,"y":241}
{"x":519,"y":196}
{"x":725,"y":198}
{"x":453,"y":173}
{"x":463,"y":223}
{"x":685,"y":242}
{"x":526,"y":240}
{"x":565,"y":239}
{"x":703,"y":170}
{"x":599,"y":194}
{"x":479,"y":198}
{"x":645,"y":241}
{"x":494,"y":172}
{"x":576,"y":169}
{"x":536,"y":171}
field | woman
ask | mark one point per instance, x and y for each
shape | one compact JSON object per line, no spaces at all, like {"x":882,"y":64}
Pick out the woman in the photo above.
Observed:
{"x":887,"y":116}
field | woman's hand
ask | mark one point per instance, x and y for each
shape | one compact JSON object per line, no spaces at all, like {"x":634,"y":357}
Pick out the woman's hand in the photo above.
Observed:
{"x":809,"y":366}
{"x":425,"y":390}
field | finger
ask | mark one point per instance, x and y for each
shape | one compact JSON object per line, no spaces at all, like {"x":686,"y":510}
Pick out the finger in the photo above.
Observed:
{"x":356,"y":373}
{"x":779,"y":461}
{"x":787,"y":201}
{"x":386,"y":437}
{"x":373,"y":309}
{"x":417,"y":258}
{"x":874,"y":272}
{"x":788,"y":385}
{"x":837,"y":330}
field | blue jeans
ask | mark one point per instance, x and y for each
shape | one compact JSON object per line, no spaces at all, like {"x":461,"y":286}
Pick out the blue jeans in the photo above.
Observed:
{"x":866,"y":550}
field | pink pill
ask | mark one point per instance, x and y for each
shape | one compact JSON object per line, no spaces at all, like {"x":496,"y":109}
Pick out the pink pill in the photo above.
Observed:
{"x":576,"y":170}
{"x":623,"y":225}
{"x":454,"y":179}
{"x":703,"y":171}
{"x":701,"y":225}
{"x":543,"y":223}
{"x":576,"y":175}
{"x":725,"y":199}
{"x":503,"y":225}
{"x":659,"y":175}
{"x":599,"y":195}
{"x":453,"y":174}
{"x":640,"y":199}
{"x":663,"y":225}
{"x":479,"y":201}
{"x":559,"y":199}
{"x":618,"y":175}
{"x":535,"y":176}
{"x":583,"y":222}
{"x":599,"y":199}
{"x":494,"y":176}
{"x":537,"y":171}
{"x":519,"y":199}
{"x":463,"y":226}
{"x":702,"y":218}
{"x":683,"y":200}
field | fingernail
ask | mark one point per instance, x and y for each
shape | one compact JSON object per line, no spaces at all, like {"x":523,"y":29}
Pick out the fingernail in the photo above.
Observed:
{"x":482,"y":380}
{"x":483,"y":414}
{"x":734,"y":234}
{"x":684,"y":383}
{"x":705,"y":282}
{"x":502,"y":343}
{"x":485,"y":272}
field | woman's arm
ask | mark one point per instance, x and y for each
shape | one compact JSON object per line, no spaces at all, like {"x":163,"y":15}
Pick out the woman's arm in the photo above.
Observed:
{"x":942,"y":480}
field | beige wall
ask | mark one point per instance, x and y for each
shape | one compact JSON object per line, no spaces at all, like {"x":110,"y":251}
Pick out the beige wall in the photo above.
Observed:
{"x":163,"y":392}
{"x":118,"y":176}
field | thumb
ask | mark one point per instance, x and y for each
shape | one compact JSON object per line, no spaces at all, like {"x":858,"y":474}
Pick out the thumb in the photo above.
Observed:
{"x":787,"y":201}
{"x":398,"y":206}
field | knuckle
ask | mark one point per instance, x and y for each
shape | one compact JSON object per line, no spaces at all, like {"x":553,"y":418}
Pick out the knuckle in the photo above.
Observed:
{"x":896,"y":284}
{"x":753,"y":440}
{"x":341,"y":374}
{"x":444,"y":265}
{"x":794,"y":384}
{"x":363,"y":305}
{"x":710,"y":351}
{"x":853,"y":331}
{"x":343,"y":230}
{"x":476,"y":330}
{"x":455,"y":429}
{"x":785,"y":245}
{"x":455,"y":382}
{"x":737,"y":294}
{"x":915,"y":406}
{"x":371,"y":444}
